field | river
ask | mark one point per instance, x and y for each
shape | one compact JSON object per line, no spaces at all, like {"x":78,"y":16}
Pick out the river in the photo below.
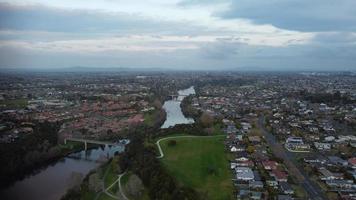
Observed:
{"x":52,"y":182}
{"x":174,"y":111}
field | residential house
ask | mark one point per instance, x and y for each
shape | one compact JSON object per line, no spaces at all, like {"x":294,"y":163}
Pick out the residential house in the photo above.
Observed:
{"x":341,"y":183}
{"x":284,"y":197}
{"x":322,"y":146}
{"x":279,"y":175}
{"x":244,"y":173}
{"x":269,"y":164}
{"x":286,"y":188}
{"x":352,"y":162}
{"x":337,"y":161}
{"x":328,"y":175}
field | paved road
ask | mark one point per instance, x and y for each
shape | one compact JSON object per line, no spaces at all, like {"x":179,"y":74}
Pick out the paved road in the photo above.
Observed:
{"x":313,"y":190}
{"x":182,"y":136}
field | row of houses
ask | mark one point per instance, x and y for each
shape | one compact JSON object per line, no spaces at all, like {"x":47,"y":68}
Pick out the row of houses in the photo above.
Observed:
{"x":256,"y":174}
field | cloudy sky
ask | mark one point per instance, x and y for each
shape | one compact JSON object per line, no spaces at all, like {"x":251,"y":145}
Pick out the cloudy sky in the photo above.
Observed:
{"x":179,"y":34}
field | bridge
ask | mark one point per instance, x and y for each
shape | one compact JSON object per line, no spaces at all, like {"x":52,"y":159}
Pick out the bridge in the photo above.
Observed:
{"x":85,"y":141}
{"x":176,"y":97}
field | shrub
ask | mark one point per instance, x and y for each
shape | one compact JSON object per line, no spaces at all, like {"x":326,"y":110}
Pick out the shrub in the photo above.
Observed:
{"x":172,"y":143}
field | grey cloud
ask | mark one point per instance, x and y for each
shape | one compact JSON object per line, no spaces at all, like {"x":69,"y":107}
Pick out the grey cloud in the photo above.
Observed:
{"x":220,"y":55}
{"x":42,"y":18}
{"x":345,"y":38}
{"x":302,"y":15}
{"x":219,"y":50}
{"x":200,"y":2}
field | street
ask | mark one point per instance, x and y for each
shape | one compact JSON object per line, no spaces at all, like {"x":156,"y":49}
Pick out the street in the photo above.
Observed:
{"x":313,"y":190}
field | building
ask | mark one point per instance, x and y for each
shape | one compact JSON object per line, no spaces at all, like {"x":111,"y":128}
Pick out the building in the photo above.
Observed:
{"x":244,"y":174}
{"x":322,"y":146}
{"x":269,"y":164}
{"x":286,"y":188}
{"x":280,"y":176}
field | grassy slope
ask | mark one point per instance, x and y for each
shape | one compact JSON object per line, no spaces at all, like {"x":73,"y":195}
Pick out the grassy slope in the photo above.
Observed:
{"x":190,"y":160}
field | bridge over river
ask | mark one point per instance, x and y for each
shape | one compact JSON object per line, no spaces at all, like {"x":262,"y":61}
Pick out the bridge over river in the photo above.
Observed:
{"x":176,"y":97}
{"x":86,"y":141}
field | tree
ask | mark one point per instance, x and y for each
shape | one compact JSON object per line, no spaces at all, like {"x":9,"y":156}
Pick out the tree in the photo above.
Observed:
{"x":172,"y":143}
{"x":250,"y":149}
{"x":134,"y":186}
{"x":157,"y":104}
{"x":94,"y":182}
{"x":75,"y":180}
{"x":206,"y":119}
{"x":115,"y":165}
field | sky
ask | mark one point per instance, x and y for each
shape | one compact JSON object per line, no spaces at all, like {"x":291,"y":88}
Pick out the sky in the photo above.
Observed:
{"x":179,"y":34}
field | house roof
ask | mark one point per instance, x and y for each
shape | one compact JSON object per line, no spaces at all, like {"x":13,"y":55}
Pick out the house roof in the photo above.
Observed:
{"x":285,"y":186}
{"x":284,"y":197}
{"x":278,"y":174}
{"x":352,"y":161}
{"x":269,"y":164}
{"x":244,"y":173}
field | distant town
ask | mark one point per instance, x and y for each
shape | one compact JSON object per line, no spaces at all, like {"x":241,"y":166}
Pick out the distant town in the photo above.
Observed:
{"x":230,"y":135}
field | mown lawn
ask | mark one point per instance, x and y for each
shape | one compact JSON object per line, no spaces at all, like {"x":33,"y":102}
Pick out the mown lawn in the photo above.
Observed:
{"x":14,"y":103}
{"x":200,"y":163}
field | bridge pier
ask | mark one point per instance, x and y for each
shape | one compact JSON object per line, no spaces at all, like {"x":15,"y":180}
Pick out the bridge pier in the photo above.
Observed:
{"x":85,"y":145}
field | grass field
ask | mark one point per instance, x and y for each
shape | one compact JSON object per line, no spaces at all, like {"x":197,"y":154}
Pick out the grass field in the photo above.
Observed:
{"x":14,"y":104}
{"x":200,"y":163}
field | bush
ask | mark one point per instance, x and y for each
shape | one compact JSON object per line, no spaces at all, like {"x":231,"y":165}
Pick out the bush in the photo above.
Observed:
{"x":172,"y":143}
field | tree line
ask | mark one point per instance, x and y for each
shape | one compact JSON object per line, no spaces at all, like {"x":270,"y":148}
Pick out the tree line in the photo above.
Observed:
{"x":29,"y":152}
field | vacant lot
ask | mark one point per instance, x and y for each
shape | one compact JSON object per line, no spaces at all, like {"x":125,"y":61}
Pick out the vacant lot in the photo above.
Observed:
{"x":200,"y":163}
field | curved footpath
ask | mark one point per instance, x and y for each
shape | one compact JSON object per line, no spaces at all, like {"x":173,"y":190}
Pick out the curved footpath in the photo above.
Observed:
{"x":182,"y":136}
{"x":120,"y":187}
{"x":106,"y":190}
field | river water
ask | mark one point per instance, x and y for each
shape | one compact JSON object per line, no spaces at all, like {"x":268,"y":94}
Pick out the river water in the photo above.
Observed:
{"x":52,"y":182}
{"x":174,"y":111}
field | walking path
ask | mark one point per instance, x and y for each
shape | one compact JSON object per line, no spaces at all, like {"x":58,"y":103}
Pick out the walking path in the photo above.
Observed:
{"x":182,"y":136}
{"x":106,"y":190}
{"x":120,"y":187}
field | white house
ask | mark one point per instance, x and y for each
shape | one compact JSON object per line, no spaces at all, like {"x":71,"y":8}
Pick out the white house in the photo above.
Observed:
{"x":322,"y":146}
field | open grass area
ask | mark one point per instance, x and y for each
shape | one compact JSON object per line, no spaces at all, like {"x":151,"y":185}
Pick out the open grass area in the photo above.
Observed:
{"x":110,"y":176}
{"x":14,"y":104}
{"x":299,"y":192}
{"x":218,"y":129}
{"x":200,"y":163}
{"x":104,"y":196}
{"x":148,"y":119}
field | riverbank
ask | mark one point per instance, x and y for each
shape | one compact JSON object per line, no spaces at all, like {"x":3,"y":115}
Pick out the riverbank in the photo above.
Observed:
{"x":64,"y":150}
{"x":41,"y":184}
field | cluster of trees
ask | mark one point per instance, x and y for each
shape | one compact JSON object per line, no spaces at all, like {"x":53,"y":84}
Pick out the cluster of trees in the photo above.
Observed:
{"x":335,"y":98}
{"x":134,"y":186}
{"x":141,"y":160}
{"x":21,"y":157}
{"x":188,"y":109}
